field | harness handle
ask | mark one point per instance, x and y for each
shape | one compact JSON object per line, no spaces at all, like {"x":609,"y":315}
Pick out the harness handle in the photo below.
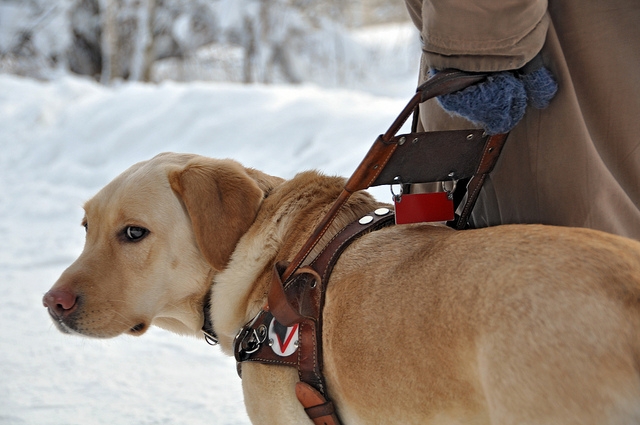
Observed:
{"x":444,"y":82}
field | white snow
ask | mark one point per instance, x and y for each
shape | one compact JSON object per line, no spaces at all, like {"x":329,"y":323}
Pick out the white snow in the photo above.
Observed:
{"x":60,"y":142}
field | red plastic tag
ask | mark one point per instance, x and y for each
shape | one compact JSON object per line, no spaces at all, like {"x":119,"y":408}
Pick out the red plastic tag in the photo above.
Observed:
{"x":424,"y":208}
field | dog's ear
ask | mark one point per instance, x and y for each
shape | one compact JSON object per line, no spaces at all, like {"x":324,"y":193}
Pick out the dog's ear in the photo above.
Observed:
{"x":222,"y":201}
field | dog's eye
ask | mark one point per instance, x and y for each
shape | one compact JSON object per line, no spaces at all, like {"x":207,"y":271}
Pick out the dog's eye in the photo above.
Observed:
{"x":134,"y":233}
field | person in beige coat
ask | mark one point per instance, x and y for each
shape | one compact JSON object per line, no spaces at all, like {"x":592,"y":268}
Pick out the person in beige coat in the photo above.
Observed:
{"x":577,"y":161}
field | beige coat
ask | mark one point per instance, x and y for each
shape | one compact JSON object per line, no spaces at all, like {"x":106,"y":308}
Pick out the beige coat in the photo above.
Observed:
{"x":576,"y":163}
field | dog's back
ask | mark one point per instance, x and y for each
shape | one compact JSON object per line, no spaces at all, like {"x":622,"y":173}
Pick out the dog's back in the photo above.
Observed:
{"x":513,"y":324}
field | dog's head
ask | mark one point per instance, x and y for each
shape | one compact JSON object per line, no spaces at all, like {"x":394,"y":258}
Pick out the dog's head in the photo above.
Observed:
{"x":155,"y":236}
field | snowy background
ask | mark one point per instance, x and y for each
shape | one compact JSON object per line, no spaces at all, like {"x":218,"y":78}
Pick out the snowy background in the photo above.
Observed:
{"x":63,"y":138}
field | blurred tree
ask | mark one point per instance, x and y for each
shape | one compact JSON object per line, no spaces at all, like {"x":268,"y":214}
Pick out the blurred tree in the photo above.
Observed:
{"x":30,"y":43}
{"x":267,"y":41}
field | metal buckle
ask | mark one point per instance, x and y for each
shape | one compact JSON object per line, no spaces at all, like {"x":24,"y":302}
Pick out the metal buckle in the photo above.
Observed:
{"x":397,"y":197}
{"x":210,"y":339}
{"x":454,"y":184}
{"x":249,"y":340}
{"x":253,"y":339}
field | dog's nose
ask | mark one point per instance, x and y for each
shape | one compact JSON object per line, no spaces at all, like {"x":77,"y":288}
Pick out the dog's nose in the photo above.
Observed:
{"x":60,"y":303}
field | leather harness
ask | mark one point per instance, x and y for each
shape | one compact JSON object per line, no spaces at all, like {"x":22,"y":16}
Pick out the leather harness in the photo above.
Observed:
{"x":288,"y":330}
{"x":297,"y":305}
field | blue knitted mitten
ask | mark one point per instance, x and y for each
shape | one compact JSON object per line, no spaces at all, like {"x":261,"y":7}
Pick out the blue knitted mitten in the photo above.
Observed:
{"x":498,"y":103}
{"x":540,"y":87}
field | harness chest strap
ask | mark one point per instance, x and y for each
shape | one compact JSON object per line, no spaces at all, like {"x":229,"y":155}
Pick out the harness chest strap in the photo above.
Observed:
{"x":288,"y":331}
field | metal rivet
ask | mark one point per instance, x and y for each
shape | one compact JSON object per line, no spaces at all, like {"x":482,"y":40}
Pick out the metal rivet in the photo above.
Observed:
{"x":270,"y":342}
{"x":261,"y":333}
{"x":490,"y":149}
{"x":414,"y":141}
{"x":375,"y":167}
{"x":381,"y":211}
{"x":470,"y":136}
{"x":366,"y":219}
{"x":402,"y":140}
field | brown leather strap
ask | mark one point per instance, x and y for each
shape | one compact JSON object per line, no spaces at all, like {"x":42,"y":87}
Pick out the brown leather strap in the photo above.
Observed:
{"x":310,"y":368}
{"x":277,"y":299}
{"x":305,"y":293}
{"x":280,"y":295}
{"x":319,"y":410}
{"x":489,"y":158}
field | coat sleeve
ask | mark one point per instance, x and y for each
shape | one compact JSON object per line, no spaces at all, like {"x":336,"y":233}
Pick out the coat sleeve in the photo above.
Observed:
{"x":480,"y":35}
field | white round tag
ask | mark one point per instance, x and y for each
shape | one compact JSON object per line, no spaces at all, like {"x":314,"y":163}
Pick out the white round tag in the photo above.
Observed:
{"x":283,"y":340}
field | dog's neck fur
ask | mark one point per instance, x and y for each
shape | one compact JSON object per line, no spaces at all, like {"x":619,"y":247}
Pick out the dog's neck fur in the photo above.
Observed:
{"x":284,"y":222}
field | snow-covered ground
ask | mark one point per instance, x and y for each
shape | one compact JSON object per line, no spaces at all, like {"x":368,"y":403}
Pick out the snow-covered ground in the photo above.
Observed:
{"x":60,"y":142}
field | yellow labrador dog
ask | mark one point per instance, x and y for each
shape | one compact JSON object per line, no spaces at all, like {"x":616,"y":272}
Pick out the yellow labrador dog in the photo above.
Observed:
{"x":522,"y":324}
